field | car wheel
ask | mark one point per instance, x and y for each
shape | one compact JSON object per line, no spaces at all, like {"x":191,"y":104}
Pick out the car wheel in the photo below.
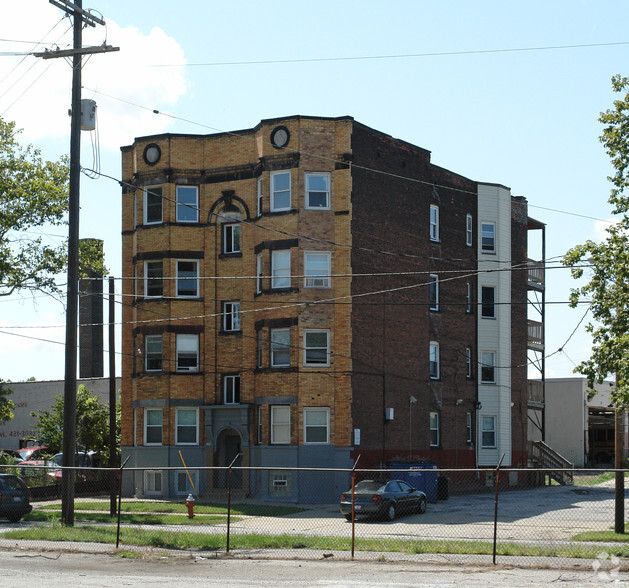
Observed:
{"x":421,"y":507}
{"x":14,"y":518}
{"x":348,"y":518}
{"x":391,"y":512}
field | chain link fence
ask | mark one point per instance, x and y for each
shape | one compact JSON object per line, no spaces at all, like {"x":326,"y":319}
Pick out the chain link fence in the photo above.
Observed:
{"x":479,"y":515}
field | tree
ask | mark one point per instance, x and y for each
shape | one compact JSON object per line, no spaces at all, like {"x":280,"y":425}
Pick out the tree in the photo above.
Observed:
{"x":6,"y":405}
{"x":33,"y":193}
{"x":608,"y":262}
{"x":92,"y":423}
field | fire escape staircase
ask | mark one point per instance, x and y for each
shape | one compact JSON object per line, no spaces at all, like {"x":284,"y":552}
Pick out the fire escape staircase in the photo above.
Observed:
{"x":543,"y":456}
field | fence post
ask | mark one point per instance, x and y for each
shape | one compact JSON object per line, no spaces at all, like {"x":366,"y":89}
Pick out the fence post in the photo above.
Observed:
{"x":120,"y":500}
{"x":229,"y":495}
{"x":496,"y":480}
{"x":353,"y":515}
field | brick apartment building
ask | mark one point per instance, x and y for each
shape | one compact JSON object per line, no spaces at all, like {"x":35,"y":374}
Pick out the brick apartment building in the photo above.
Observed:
{"x":311,"y":290}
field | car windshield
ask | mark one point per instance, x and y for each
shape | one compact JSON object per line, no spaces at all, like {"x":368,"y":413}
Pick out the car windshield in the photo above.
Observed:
{"x":367,"y":486}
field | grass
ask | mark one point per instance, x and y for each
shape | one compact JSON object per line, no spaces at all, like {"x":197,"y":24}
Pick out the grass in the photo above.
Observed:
{"x":604,"y":536}
{"x":130,"y":518}
{"x":148,"y":506}
{"x":214,"y":542}
{"x":594,"y":480}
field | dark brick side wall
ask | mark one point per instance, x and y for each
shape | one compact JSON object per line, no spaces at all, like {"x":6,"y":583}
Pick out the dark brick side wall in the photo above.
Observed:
{"x":391,"y":332}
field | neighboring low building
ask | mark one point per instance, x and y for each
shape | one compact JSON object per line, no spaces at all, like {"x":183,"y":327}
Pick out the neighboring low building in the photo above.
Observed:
{"x":35,"y":396}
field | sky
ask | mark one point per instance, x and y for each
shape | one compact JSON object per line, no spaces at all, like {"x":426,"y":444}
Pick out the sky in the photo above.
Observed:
{"x":499,"y":92}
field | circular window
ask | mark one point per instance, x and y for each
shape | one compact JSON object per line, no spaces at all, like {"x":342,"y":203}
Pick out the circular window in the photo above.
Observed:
{"x":280,"y":137}
{"x":152,"y":153}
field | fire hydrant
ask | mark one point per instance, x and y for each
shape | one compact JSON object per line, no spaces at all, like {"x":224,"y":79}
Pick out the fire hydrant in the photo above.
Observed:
{"x":190,"y":505}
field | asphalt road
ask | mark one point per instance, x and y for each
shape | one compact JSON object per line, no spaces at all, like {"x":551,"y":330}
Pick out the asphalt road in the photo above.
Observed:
{"x":54,"y":570}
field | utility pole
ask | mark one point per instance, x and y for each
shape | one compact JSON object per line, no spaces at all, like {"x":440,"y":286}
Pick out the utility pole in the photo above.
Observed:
{"x":81,"y":17}
{"x":619,"y":475}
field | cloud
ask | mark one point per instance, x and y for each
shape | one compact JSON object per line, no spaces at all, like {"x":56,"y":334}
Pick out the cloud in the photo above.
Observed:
{"x":36,"y":93}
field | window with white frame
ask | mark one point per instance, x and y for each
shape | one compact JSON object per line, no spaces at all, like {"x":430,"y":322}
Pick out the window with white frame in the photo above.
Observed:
{"x":280,"y":425}
{"x":231,"y":389}
{"x":318,"y":190}
{"x":488,"y":431}
{"x":434,"y":291}
{"x":434,"y":222}
{"x":317,"y":269}
{"x":186,"y":426}
{"x":152,"y":426}
{"x":186,"y":481}
{"x":280,"y":191}
{"x":280,"y":268}
{"x":187,"y":353}
{"x":488,"y":237}
{"x":259,"y":273}
{"x":259,"y":196}
{"x":316,"y":347}
{"x":434,"y":360}
{"x":468,"y":427}
{"x":153,"y":279}
{"x":259,"y":426}
{"x":434,"y":429}
{"x":468,"y":299}
{"x":187,"y":278}
{"x":231,"y":238}
{"x":488,"y":367}
{"x":469,"y":230}
{"x":488,"y":302}
{"x":153,"y":350}
{"x":187,"y":204}
{"x":153,"y":205}
{"x":231,"y":316}
{"x":316,"y":425}
{"x":280,"y":347}
{"x":468,"y":362}
{"x":153,"y":482}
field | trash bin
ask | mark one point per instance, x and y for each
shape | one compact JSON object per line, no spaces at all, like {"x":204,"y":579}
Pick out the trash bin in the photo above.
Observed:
{"x":442,"y":488}
{"x":419,"y":475}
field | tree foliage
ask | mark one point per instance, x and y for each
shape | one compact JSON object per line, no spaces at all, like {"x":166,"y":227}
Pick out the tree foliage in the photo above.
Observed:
{"x":33,"y":195}
{"x":6,"y":404}
{"x":607,"y":262}
{"x":92,"y":423}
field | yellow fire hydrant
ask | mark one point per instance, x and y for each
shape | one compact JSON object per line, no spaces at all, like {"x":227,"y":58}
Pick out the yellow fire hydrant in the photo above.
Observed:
{"x":190,"y":505}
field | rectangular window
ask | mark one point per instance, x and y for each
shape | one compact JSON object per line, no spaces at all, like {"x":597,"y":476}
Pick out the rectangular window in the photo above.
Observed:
{"x":488,"y":237}
{"x":280,"y":191}
{"x":259,"y":426}
{"x":259,"y":196}
{"x":316,"y":269}
{"x":434,"y":360}
{"x":153,"y":349}
{"x":468,"y":427}
{"x":469,"y":230}
{"x":468,"y":362}
{"x":231,"y":389}
{"x":152,"y":426}
{"x":231,"y":238}
{"x":152,"y":482}
{"x":259,"y":335}
{"x":488,"y":302}
{"x":468,"y":299}
{"x":280,"y":425}
{"x":317,"y":347}
{"x":280,"y":347}
{"x":187,"y":426}
{"x":316,"y":425}
{"x":187,"y":204}
{"x":153,"y":205}
{"x":488,"y":367}
{"x":488,"y":431}
{"x":187,"y":279}
{"x":434,"y":222}
{"x":434,"y":429}
{"x":231,"y":316}
{"x":318,"y":190}
{"x":434,"y":292}
{"x":259,"y":273}
{"x":153,"y":278}
{"x":280,"y":268}
{"x":187,"y":353}
{"x":184,"y":485}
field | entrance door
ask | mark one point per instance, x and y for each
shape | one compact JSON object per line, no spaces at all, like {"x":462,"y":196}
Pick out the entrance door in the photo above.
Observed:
{"x":229,"y":446}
